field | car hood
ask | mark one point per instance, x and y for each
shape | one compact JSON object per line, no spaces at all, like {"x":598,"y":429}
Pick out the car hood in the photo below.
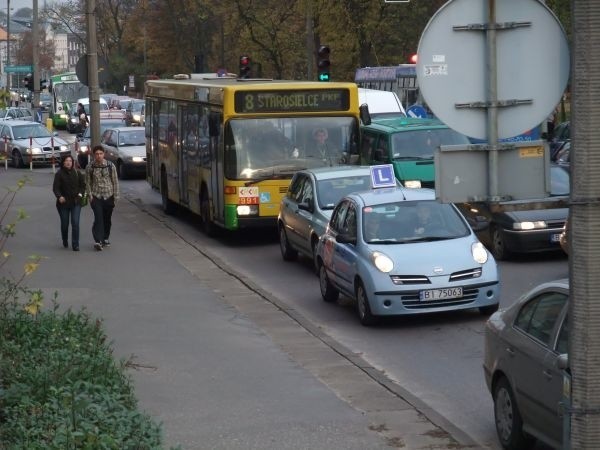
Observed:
{"x":438,"y":258}
{"x":40,"y":142}
{"x":538,"y":214}
{"x":135,"y":150}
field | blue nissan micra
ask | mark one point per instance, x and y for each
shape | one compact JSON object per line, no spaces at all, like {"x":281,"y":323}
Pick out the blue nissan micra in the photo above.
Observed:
{"x":398,"y":251}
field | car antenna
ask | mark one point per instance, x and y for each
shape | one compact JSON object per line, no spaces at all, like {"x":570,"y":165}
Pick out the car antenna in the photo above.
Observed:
{"x":402,"y":191}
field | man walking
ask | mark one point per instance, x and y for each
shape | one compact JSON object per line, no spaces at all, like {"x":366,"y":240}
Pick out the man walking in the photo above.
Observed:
{"x":103,"y":190}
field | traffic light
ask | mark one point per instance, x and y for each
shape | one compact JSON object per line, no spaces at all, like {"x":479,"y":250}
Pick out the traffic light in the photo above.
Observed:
{"x":43,"y":85}
{"x":28,"y":82}
{"x":244,"y":67}
{"x":323,"y":63}
{"x":413,"y":58}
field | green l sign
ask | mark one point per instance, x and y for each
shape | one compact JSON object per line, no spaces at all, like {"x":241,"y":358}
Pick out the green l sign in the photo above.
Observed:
{"x":18,"y":69}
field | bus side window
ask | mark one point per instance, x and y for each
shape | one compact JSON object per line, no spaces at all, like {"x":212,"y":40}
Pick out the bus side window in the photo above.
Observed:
{"x":214,"y":121}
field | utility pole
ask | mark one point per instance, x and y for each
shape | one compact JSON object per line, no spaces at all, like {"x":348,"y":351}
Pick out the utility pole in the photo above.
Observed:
{"x":584,"y":224}
{"x":92,"y":66}
{"x":35,"y":39}
{"x":8,"y":43}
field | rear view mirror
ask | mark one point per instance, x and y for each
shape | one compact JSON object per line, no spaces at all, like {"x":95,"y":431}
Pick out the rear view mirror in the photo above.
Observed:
{"x":344,"y":238}
{"x":365,"y":116}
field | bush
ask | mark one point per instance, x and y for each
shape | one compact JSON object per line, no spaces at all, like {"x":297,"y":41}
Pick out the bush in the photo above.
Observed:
{"x":60,"y":387}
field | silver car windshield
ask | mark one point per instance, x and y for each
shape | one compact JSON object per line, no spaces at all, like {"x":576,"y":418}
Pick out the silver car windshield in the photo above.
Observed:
{"x":130,"y":138}
{"x":405,"y":222}
{"x":30,"y":131}
{"x":330,"y":192}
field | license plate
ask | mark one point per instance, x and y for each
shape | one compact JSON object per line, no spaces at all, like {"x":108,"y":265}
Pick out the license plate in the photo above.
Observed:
{"x":440,"y":294}
{"x":555,"y":237}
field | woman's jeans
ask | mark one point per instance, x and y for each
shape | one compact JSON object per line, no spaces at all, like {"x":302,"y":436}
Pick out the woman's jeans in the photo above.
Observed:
{"x":72,"y":212}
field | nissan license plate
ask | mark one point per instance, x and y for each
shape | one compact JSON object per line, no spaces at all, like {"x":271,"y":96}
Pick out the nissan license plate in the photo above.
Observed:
{"x":440,"y":294}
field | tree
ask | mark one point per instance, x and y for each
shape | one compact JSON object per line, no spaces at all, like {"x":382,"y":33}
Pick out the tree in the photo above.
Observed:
{"x":46,"y":50}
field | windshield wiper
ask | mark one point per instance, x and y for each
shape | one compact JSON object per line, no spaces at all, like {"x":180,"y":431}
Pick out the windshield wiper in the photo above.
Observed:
{"x":412,"y":158}
{"x":428,"y":239}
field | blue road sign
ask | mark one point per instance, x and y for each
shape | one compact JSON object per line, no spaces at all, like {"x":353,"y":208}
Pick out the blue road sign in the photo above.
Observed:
{"x":18,"y":69}
{"x":416,"y":111}
{"x":383,"y":176}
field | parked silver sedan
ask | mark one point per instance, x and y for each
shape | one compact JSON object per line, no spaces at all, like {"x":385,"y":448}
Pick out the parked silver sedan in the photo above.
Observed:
{"x":525,"y":356}
{"x":25,"y":142}
{"x":306,"y":208}
{"x":126,"y":148}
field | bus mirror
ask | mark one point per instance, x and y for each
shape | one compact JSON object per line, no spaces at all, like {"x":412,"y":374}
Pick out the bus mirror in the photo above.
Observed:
{"x":365,"y":116}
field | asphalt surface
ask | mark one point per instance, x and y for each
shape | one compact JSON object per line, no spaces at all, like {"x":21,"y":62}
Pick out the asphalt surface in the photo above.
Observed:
{"x":218,"y":361}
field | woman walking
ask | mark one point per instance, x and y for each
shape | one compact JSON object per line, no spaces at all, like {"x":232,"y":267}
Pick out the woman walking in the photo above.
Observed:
{"x":69,"y":189}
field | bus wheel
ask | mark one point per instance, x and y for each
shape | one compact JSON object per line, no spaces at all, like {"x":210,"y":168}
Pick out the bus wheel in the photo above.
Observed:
{"x":207,"y":226}
{"x":167,"y":205}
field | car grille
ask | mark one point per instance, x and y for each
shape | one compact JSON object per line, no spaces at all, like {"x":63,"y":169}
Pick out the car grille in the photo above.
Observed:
{"x":555,"y":224}
{"x":49,"y":149}
{"x":423,"y":279}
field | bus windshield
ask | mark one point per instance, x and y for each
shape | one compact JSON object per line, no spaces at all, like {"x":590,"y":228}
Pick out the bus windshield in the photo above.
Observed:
{"x":278,"y":147}
{"x":69,"y":92}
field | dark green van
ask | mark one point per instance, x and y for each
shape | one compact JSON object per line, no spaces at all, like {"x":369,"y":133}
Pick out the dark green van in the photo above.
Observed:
{"x":408,"y":144}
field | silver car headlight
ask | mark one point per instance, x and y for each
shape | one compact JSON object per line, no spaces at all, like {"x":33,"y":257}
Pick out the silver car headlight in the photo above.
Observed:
{"x":137,"y":159}
{"x":83,"y":149}
{"x":34,"y":151}
{"x":63,"y":148}
{"x":479,"y":252}
{"x":136,"y":117}
{"x":537,"y":225}
{"x":382,"y":262}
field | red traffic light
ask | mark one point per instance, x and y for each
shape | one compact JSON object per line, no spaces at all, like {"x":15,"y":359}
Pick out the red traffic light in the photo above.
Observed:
{"x":413,"y":58}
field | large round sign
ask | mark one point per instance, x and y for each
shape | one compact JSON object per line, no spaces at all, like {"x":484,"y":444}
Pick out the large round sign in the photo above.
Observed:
{"x":532,"y":65}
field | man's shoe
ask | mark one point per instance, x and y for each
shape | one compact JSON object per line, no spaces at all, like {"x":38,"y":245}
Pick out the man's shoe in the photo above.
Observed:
{"x":65,"y":244}
{"x":98,"y":246}
{"x":105,"y":244}
{"x":75,"y":248}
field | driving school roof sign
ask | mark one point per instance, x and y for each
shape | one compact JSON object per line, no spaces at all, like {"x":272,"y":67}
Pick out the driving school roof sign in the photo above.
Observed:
{"x":382,"y":176}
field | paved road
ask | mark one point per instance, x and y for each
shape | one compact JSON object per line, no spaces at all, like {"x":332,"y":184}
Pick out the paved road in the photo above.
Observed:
{"x":221,"y":363}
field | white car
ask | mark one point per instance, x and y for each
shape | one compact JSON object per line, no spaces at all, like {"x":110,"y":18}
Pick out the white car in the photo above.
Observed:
{"x":126,"y":148}
{"x":25,"y":141}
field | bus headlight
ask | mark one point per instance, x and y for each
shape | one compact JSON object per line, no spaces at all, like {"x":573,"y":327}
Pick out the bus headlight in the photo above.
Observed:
{"x":247,"y":210}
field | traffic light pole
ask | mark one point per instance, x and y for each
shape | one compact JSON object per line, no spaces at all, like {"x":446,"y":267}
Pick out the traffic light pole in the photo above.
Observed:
{"x":92,"y":66}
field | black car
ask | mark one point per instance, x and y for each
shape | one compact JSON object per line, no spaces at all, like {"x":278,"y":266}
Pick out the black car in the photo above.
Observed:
{"x":509,"y":232}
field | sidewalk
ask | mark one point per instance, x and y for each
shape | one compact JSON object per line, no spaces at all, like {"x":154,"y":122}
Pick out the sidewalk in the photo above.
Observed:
{"x":219,"y":363}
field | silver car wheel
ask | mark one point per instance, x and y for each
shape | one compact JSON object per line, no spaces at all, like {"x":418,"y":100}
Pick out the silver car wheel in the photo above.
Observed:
{"x":504,"y":414}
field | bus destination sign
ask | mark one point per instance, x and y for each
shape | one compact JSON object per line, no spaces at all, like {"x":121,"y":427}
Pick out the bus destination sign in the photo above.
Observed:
{"x":292,"y":101}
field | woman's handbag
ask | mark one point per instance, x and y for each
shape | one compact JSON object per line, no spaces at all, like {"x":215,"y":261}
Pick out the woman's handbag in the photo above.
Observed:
{"x":83,"y":200}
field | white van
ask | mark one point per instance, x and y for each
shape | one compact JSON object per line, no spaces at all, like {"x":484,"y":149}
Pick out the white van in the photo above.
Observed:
{"x":86,"y":104}
{"x":381,"y":103}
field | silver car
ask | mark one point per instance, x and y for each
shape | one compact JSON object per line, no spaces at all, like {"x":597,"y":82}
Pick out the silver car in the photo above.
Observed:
{"x":525,"y":355}
{"x":26,"y":142}
{"x":126,"y":148}
{"x":306,"y":208}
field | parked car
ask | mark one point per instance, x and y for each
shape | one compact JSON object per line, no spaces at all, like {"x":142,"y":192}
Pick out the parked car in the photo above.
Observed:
{"x":409,"y":144}
{"x":525,"y":353}
{"x":306,"y":208}
{"x":24,"y":141}
{"x":398,"y":251}
{"x":134,"y":113}
{"x":126,"y":148}
{"x":16,"y":112}
{"x":108,"y":119}
{"x":521,"y":231}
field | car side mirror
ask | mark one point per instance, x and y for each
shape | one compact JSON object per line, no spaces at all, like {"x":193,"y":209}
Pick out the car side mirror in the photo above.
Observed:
{"x":345,"y":238}
{"x":563,"y":361}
